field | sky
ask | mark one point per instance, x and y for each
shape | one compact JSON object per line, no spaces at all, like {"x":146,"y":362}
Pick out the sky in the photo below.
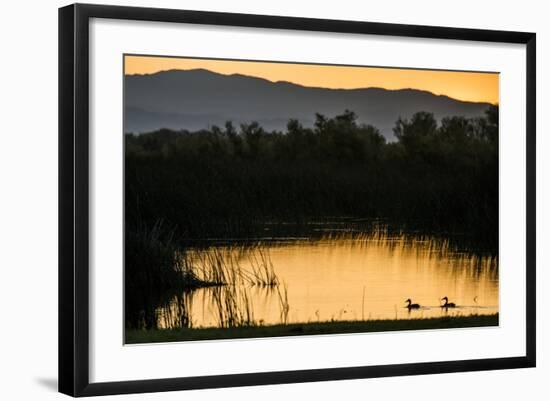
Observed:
{"x":468,"y":86}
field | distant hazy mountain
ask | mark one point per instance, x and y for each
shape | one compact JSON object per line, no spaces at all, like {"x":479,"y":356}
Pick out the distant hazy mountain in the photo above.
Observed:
{"x":195,"y":99}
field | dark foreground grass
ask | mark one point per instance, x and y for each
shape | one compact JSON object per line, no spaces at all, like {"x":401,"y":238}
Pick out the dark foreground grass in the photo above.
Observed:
{"x":368,"y":326}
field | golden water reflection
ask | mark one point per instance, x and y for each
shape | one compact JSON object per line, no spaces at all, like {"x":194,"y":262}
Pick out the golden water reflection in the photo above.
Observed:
{"x":342,"y":278}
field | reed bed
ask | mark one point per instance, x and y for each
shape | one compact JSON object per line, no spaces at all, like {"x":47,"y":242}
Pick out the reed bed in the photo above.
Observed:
{"x":263,"y":272}
{"x":222,"y":270}
{"x":153,"y":273}
{"x":222,"y":182}
{"x":224,"y":266}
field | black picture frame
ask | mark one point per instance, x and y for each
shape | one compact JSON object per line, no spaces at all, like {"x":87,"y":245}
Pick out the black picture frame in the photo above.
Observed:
{"x":74,"y":198}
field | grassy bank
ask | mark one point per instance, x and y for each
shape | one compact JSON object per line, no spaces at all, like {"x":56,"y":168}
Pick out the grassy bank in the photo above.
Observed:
{"x":185,"y":334}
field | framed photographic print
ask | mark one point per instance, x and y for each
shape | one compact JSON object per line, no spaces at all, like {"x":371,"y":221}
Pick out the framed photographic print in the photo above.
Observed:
{"x":249,"y":199}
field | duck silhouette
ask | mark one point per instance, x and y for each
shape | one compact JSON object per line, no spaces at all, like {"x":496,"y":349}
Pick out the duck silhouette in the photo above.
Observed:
{"x":447,"y":304}
{"x":410,"y":305}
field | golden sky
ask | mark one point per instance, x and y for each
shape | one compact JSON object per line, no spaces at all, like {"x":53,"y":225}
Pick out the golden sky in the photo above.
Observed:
{"x":470,"y":86}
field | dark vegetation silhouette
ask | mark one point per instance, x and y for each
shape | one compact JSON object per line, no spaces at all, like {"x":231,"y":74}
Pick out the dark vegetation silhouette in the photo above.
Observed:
{"x":225,"y":181}
{"x":228,"y":182}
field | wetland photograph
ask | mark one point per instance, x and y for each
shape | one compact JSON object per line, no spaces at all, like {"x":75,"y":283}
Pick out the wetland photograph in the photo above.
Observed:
{"x":266,"y":199}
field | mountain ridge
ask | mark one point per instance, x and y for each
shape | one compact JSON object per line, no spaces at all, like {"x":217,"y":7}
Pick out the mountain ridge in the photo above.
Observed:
{"x":199,"y":98}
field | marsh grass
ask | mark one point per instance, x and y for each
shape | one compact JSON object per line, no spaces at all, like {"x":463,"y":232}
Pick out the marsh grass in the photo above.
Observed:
{"x":231,"y":305}
{"x":263,"y":272}
{"x":153,"y":272}
{"x":232,"y":301}
{"x":226,"y":184}
{"x":224,"y":265}
{"x":160,"y":277}
{"x":221,"y":183}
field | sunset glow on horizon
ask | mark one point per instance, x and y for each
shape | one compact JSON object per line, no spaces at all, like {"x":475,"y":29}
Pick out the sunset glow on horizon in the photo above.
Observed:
{"x":467,"y":86}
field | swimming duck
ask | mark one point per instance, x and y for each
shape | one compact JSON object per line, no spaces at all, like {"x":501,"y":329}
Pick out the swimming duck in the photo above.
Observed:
{"x":448,"y":304}
{"x":410,"y":305}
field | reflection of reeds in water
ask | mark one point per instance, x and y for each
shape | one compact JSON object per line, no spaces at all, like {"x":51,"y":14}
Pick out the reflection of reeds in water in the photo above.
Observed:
{"x":283,"y":303}
{"x":177,"y":313}
{"x":233,"y":306}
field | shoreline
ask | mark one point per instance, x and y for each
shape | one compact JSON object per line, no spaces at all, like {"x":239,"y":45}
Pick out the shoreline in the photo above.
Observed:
{"x":312,"y":328}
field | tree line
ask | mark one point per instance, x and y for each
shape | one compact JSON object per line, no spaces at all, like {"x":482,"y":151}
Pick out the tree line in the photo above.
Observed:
{"x":228,"y":181}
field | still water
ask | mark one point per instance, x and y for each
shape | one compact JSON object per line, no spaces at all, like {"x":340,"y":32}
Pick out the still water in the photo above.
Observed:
{"x":337,"y":277}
